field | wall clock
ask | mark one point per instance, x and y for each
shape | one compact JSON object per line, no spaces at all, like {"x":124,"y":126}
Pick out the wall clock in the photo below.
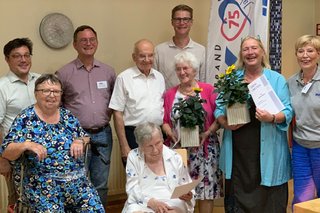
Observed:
{"x":56,"y":30}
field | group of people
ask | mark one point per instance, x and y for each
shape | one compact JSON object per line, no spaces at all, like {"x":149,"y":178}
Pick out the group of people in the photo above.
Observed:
{"x":255,"y":157}
{"x":47,"y":120}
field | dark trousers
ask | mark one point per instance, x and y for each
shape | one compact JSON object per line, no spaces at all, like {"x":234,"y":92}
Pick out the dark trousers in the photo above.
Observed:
{"x":129,"y":130}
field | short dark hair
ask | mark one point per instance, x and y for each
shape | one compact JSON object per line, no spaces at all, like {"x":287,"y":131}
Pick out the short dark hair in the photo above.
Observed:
{"x":182,"y":7}
{"x":52,"y":78}
{"x":82,"y":28}
{"x":16,"y":43}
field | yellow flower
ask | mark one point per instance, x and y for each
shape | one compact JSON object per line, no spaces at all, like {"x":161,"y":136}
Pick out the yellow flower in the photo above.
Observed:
{"x":230,"y":69}
{"x":231,"y":87}
{"x":197,"y":89}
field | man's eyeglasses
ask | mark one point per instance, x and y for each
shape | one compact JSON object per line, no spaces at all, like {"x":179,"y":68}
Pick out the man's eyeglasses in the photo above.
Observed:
{"x":19,"y":56}
{"x":92,"y":40}
{"x":48,"y":92}
{"x":183,"y":20}
{"x":145,"y":57}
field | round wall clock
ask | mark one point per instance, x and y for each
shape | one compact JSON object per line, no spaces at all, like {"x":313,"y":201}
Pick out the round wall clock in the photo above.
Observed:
{"x":56,"y":30}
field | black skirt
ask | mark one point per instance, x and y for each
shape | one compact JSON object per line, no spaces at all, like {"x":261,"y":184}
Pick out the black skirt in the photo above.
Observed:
{"x":244,"y":194}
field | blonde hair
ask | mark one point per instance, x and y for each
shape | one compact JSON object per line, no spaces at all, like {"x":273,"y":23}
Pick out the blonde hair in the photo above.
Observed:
{"x":308,"y":40}
{"x":265,"y":59}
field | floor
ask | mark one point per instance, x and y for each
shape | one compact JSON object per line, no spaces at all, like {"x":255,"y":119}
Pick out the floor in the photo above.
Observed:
{"x":116,"y":203}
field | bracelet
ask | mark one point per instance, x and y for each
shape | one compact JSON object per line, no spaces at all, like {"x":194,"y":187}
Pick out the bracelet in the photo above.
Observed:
{"x":274,"y":119}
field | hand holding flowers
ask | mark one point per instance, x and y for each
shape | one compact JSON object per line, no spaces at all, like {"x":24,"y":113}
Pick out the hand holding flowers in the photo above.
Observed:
{"x":189,"y":111}
{"x":233,"y":93}
{"x":231,"y":87}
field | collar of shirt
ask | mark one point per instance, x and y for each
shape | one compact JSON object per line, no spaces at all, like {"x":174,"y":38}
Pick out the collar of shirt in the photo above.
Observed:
{"x":138,"y":73}
{"x":80,"y":65}
{"x":190,"y":44}
{"x":316,"y":77}
{"x":14,"y":78}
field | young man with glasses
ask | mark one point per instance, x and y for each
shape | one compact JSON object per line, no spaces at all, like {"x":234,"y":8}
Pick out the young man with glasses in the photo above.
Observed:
{"x":181,"y":21}
{"x":87,"y":87}
{"x":16,"y":93}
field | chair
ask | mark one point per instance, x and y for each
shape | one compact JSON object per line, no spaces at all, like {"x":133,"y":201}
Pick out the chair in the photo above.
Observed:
{"x":184,"y":155}
{"x":21,"y":206}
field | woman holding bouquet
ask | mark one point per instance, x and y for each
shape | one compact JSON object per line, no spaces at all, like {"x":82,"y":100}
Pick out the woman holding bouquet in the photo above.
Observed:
{"x":255,"y":156}
{"x":202,"y":160}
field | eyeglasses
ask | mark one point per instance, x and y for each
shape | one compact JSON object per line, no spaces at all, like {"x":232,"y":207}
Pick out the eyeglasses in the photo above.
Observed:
{"x":145,"y":57}
{"x":184,"y":69}
{"x":92,"y":40}
{"x":302,"y":52}
{"x":48,"y":92}
{"x":251,"y":36}
{"x":150,"y":148}
{"x":183,"y":20}
{"x":19,"y":57}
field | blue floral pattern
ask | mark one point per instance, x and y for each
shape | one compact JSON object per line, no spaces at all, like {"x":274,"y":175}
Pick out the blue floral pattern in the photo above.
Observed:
{"x":57,"y":183}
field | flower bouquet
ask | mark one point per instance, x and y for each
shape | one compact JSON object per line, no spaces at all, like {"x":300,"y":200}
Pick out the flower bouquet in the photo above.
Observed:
{"x":234,"y":93}
{"x":189,"y":115}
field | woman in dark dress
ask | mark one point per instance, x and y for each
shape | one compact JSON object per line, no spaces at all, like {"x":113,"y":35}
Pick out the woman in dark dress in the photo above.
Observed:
{"x":255,"y":156}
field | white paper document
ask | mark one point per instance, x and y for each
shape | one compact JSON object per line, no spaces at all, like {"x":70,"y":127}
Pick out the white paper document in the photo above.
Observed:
{"x":184,"y":189}
{"x":264,"y":96}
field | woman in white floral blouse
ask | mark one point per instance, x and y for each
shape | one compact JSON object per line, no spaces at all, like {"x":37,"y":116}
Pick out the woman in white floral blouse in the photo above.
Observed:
{"x":153,"y":171}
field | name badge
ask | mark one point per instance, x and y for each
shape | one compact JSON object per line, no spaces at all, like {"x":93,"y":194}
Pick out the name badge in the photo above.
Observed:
{"x":306,"y":88}
{"x":102,"y":84}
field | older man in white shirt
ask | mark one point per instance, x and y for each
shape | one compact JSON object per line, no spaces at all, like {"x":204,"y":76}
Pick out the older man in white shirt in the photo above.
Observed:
{"x":137,"y":96}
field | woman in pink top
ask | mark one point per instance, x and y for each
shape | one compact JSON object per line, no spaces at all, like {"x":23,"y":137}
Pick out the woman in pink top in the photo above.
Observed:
{"x":202,"y":160}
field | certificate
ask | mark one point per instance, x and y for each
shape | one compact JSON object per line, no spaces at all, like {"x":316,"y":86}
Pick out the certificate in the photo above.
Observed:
{"x":184,"y":189}
{"x":264,"y":96}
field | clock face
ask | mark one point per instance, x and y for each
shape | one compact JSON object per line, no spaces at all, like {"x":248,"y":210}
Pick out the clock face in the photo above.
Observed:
{"x":56,"y":30}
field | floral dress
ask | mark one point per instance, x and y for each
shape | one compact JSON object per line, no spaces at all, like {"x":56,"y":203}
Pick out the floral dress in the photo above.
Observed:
{"x":204,"y":164}
{"x":58,"y":183}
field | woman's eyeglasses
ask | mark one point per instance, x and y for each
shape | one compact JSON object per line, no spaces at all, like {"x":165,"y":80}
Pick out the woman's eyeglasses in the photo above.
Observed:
{"x":48,"y":92}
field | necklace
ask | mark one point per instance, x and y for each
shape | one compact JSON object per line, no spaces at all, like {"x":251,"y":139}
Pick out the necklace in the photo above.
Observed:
{"x":189,"y":91}
{"x":302,"y":78}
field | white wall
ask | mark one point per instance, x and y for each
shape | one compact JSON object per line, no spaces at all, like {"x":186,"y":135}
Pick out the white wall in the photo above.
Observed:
{"x":298,"y":19}
{"x":119,"y":24}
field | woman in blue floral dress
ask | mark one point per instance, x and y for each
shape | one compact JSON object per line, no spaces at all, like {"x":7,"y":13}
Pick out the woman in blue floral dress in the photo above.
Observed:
{"x":51,"y":140}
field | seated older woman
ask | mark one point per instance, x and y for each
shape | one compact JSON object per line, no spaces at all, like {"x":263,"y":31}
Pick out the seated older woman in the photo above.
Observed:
{"x":153,"y":171}
{"x":51,"y":137}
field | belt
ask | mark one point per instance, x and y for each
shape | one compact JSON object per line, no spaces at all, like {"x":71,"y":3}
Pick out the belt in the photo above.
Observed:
{"x":95,"y":130}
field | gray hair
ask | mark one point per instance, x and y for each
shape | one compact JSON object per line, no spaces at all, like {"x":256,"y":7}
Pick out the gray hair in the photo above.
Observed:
{"x":50,"y":78}
{"x":144,"y":132}
{"x":187,"y":57}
